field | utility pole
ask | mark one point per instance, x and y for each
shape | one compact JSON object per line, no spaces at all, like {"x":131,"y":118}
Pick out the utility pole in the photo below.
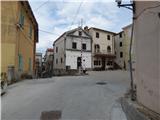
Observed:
{"x":81,"y":44}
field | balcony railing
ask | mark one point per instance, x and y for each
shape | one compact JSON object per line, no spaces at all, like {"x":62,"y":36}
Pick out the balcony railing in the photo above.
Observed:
{"x":104,"y":53}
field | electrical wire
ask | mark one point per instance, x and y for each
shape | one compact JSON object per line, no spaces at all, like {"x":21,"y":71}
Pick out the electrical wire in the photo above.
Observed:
{"x":77,"y":12}
{"x":35,"y":10}
{"x":136,"y":17}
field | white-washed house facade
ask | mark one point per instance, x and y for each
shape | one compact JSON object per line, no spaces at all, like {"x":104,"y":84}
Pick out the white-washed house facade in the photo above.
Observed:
{"x":69,"y":47}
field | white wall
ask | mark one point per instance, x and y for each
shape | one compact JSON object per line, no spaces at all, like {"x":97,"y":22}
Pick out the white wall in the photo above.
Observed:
{"x":71,"y":58}
{"x":60,"y":54}
{"x":147,"y":36}
{"x":69,"y":41}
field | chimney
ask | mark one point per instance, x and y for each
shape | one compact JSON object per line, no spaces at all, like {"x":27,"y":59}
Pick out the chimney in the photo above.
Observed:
{"x":86,"y":29}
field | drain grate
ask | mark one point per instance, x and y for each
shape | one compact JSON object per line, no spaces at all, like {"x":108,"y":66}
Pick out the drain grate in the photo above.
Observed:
{"x":101,"y":83}
{"x":51,"y":115}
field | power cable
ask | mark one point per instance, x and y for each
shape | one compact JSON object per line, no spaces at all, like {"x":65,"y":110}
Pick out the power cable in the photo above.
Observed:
{"x":77,"y":12}
{"x":35,"y":10}
{"x":145,"y":10}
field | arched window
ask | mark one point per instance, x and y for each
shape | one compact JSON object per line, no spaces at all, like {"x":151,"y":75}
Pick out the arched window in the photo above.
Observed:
{"x":97,"y":48}
{"x":108,"y":49}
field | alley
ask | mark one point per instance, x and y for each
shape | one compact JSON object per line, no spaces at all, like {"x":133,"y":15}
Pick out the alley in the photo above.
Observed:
{"x":76,"y":97}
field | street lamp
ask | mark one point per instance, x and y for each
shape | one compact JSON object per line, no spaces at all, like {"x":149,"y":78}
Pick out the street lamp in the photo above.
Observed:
{"x":130,"y":6}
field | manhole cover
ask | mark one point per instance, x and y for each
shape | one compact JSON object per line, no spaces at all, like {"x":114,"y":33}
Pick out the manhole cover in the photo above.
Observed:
{"x":101,"y":83}
{"x":50,"y":115}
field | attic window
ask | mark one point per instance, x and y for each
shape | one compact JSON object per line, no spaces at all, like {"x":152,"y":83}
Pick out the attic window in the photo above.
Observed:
{"x":80,"y":33}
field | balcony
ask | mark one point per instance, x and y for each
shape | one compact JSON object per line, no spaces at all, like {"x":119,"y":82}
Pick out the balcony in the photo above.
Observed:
{"x":104,"y":53}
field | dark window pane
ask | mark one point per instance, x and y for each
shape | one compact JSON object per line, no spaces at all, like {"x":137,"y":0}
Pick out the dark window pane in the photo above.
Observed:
{"x":97,"y":35}
{"x":120,"y":44}
{"x":84,"y":46}
{"x":108,"y":37}
{"x":121,"y":54}
{"x":74,"y":45}
{"x":80,"y":33}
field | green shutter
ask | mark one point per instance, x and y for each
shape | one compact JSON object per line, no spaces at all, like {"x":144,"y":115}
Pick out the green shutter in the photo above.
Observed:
{"x":30,"y":31}
{"x":20,"y":62}
{"x":30,"y":64}
{"x":21,"y":19}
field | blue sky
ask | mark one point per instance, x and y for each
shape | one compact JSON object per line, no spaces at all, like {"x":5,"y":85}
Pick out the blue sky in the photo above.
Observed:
{"x":56,"y":16}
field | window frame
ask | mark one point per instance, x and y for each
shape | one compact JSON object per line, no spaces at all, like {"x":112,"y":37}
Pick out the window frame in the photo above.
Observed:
{"x":121,"y":54}
{"x":74,"y":43}
{"x":97,"y":35}
{"x":108,"y":37}
{"x":84,"y":44}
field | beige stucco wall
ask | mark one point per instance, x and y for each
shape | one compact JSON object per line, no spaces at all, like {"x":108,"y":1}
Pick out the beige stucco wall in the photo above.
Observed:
{"x":103,"y":42}
{"x":147,"y":36}
{"x":119,"y":60}
{"x":126,"y":45}
{"x":15,"y":41}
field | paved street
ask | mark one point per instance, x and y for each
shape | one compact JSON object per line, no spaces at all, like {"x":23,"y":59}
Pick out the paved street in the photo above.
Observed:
{"x":77,"y":97}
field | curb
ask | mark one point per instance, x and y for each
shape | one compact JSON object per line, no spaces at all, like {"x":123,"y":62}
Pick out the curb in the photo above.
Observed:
{"x":131,"y":110}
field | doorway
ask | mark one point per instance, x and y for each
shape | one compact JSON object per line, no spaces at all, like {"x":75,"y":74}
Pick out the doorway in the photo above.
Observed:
{"x":103,"y":63}
{"x":78,"y":62}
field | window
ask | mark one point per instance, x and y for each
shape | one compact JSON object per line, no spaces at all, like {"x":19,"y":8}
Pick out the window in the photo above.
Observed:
{"x":80,"y":33}
{"x":20,"y":62}
{"x":74,"y":45}
{"x":21,"y":19}
{"x":120,"y":44}
{"x":120,"y":35}
{"x":97,"y":62}
{"x":56,"y":49}
{"x":30,"y":31}
{"x":97,"y":48}
{"x":97,"y":35}
{"x":84,"y":46}
{"x":108,"y":49}
{"x":121,"y":54}
{"x":56,"y":61}
{"x":108,"y":37}
{"x":61,"y":60}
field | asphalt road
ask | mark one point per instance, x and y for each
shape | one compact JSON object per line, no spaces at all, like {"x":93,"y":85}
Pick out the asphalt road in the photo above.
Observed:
{"x":76,"y":97}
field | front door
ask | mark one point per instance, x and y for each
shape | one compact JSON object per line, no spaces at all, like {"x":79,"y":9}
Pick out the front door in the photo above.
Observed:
{"x":103,"y":63}
{"x":78,"y":62}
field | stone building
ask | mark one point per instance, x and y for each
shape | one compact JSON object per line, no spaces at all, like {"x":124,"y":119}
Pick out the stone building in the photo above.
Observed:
{"x":119,"y":50}
{"x":72,"y":49}
{"x":19,"y":35}
{"x":103,"y":49}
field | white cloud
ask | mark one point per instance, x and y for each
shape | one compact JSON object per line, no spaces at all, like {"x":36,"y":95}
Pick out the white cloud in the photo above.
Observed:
{"x":56,"y":17}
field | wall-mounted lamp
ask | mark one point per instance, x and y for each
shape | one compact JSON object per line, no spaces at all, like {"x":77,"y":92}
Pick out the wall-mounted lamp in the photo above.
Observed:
{"x":130,"y":6}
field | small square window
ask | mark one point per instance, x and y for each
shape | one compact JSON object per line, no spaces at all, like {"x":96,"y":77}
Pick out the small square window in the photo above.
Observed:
{"x":56,"y":49}
{"x":74,"y":45}
{"x":80,"y":33}
{"x":61,"y":60}
{"x":84,"y":46}
{"x":97,"y":35}
{"x":121,"y":54}
{"x":120,"y":35}
{"x":120,"y":44}
{"x":108,"y":37}
{"x":56,"y":61}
